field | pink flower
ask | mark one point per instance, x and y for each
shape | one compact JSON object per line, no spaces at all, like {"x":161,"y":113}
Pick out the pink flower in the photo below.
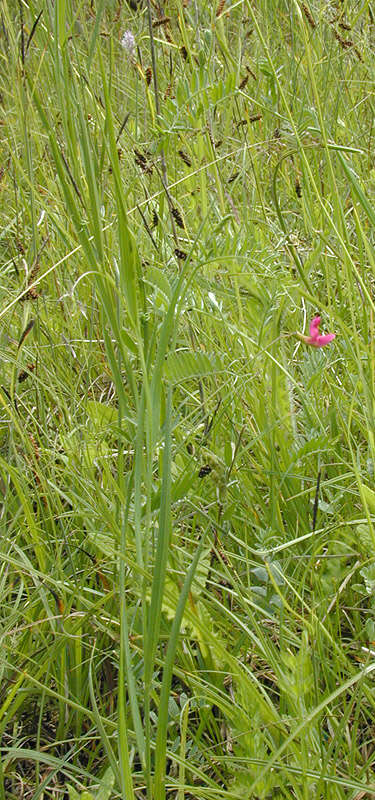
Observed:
{"x":316,"y":339}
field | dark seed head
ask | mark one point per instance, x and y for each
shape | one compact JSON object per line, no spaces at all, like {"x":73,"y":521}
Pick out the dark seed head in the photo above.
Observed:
{"x":177,"y":216}
{"x":205,"y":470}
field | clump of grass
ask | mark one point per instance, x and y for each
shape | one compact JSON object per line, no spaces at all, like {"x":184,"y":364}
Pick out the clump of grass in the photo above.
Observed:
{"x":187,"y":503}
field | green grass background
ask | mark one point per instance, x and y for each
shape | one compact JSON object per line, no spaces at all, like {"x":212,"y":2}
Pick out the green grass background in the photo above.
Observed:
{"x":187,"y":491}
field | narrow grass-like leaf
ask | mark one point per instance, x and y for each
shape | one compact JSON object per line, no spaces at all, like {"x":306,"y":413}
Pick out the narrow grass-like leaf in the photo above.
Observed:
{"x":161,"y":736}
{"x":93,"y":42}
{"x":128,"y":255}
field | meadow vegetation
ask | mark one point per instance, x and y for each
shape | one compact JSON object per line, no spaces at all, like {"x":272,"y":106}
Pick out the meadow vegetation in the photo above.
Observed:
{"x":187,"y":574}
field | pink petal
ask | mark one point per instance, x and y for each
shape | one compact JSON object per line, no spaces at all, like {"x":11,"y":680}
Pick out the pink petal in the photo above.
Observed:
{"x":314,"y":327}
{"x":321,"y":341}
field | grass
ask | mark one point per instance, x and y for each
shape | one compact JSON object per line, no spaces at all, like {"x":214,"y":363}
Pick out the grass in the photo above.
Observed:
{"x":187,"y":502}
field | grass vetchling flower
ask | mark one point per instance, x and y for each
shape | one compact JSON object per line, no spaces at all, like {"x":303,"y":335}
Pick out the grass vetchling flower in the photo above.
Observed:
{"x":316,"y":339}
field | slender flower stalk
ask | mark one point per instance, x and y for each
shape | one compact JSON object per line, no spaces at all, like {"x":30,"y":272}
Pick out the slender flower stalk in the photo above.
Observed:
{"x":316,"y":339}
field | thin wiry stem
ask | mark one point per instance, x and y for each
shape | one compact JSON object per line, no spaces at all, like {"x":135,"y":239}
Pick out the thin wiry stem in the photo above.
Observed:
{"x":164,"y":177}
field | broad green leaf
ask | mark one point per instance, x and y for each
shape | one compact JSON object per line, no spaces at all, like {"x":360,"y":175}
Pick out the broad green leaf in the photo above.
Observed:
{"x":157,"y":278}
{"x":107,"y":783}
{"x":73,"y":794}
{"x":100,"y":414}
{"x":369,"y":497}
{"x":184,"y":365}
